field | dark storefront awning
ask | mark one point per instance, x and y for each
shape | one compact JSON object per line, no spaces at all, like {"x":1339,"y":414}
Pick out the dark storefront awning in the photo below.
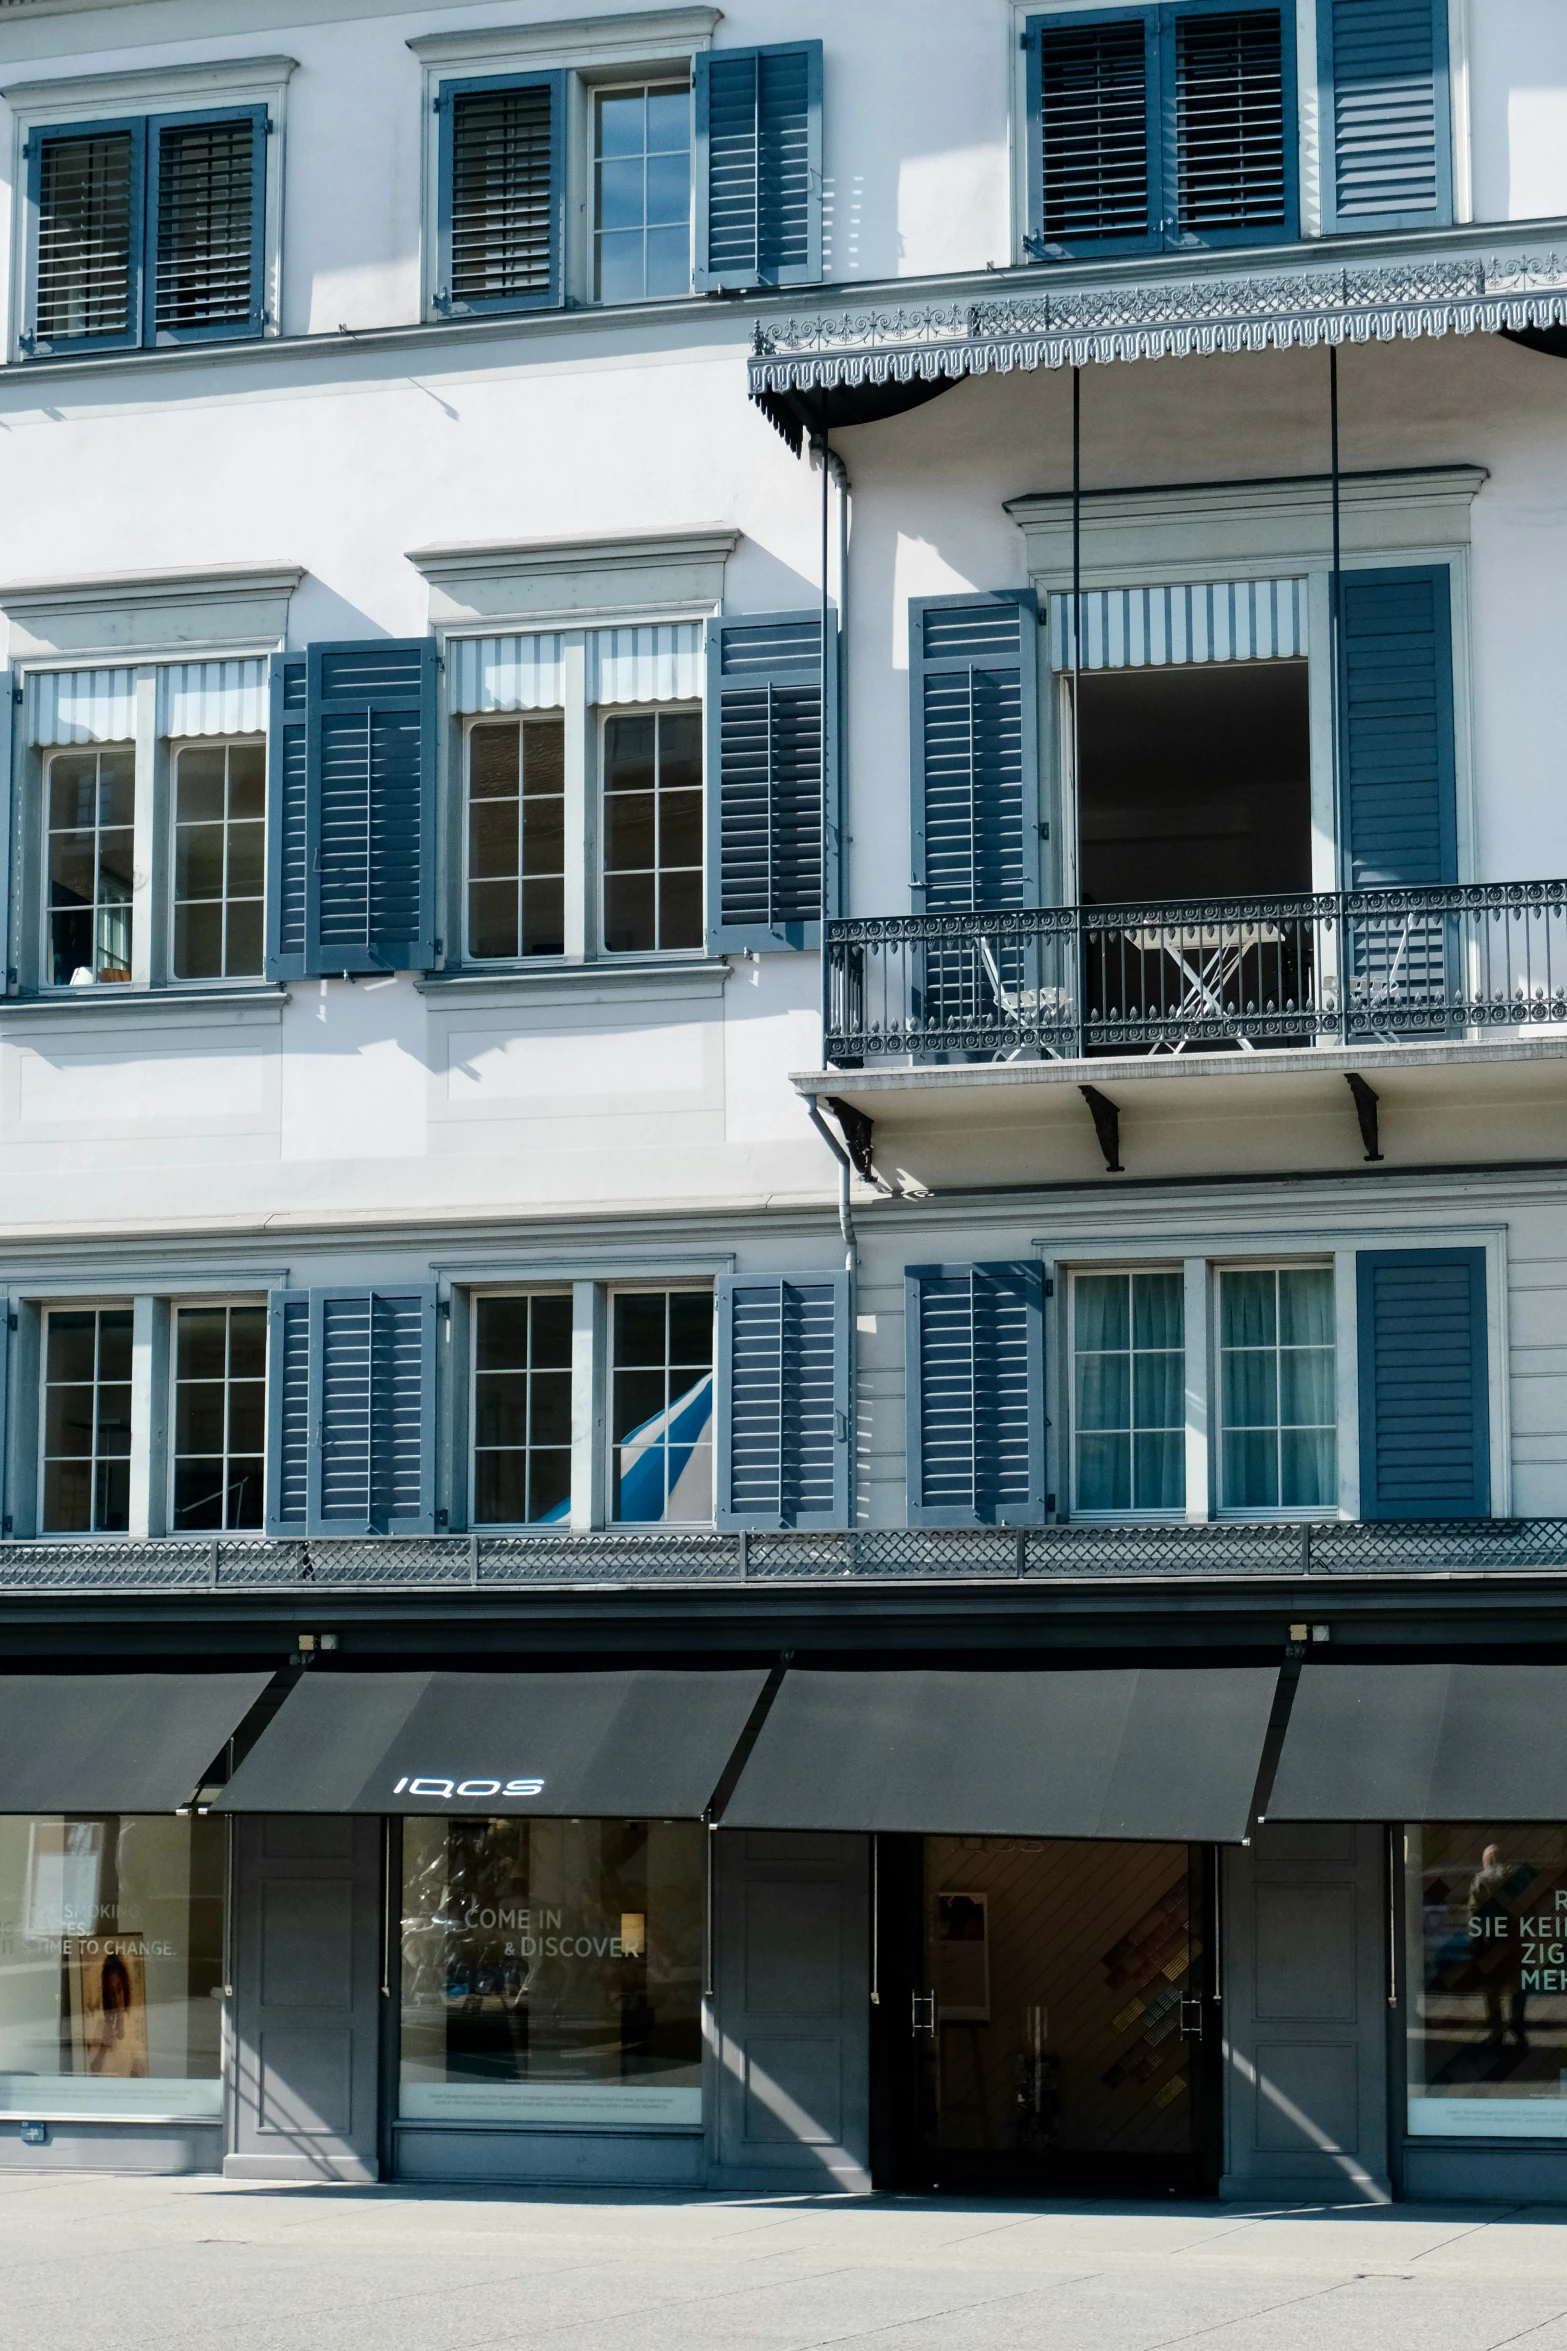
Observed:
{"x":115,"y":1742}
{"x":622,"y":1744}
{"x":1126,"y":1753}
{"x":1425,"y":1742}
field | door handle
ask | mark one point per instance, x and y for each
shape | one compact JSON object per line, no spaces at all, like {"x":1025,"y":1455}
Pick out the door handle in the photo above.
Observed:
{"x":1191,"y":2019}
{"x":924,"y":2017}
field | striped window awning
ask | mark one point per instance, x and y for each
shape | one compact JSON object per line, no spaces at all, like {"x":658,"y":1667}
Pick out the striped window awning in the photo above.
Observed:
{"x":653,"y":662}
{"x":1206,"y":620}
{"x":212,"y":698}
{"x":66,"y":706}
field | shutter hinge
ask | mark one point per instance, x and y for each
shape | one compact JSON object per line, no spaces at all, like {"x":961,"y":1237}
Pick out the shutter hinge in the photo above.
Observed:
{"x":841,"y":1427}
{"x":27,"y":151}
{"x":5,"y":1526}
{"x":443,"y":1307}
{"x":271,"y":127}
{"x":1044,"y":832}
{"x":16,"y":693}
{"x":1050,"y":1289}
{"x":437,"y":105}
{"x":1050,"y":1502}
{"x":10,"y":1320}
{"x":441,"y":1518}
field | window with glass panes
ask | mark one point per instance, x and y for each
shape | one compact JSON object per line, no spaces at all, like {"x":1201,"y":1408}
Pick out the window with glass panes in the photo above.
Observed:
{"x":642,"y":193}
{"x":1129,"y":1391}
{"x":517,"y":837}
{"x":653,"y":830}
{"x":87,"y":1421}
{"x":91,"y":799}
{"x":521,"y":1410}
{"x":1277,"y":1379}
{"x":220,"y":1416}
{"x":219,"y":859}
{"x":661,"y":1405}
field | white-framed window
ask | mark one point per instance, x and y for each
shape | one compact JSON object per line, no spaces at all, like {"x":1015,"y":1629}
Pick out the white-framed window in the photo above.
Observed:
{"x":1128,"y":1344}
{"x":219,"y":811}
{"x":1278,"y":1409}
{"x":85,"y":1457}
{"x":218,"y":1372}
{"x":520,"y":1408}
{"x":642,"y":191}
{"x":515,"y":840}
{"x":89,"y":864}
{"x":661,"y":1406}
{"x":652,"y":831}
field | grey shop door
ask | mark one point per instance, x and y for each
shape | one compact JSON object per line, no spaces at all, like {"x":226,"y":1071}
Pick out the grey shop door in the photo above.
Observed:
{"x":1305,"y":2021}
{"x":791,"y":2007}
{"x":307,"y":1996}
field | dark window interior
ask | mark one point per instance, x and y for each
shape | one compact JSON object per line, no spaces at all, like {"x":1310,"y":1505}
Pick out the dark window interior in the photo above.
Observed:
{"x":1194,"y":782}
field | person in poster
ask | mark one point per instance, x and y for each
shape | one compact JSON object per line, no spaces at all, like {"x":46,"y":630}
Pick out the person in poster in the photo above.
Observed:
{"x":109,"y":2006}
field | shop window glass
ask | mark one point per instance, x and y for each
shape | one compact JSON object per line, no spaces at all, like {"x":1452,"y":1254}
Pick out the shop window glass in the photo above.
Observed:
{"x":522,"y":1411}
{"x":1280,"y":1441}
{"x":1486,"y":1959}
{"x":87,"y":1421}
{"x":111,"y":1966}
{"x":219,"y":860}
{"x":220,"y":1416}
{"x":92,"y":826}
{"x":1129,"y":1404}
{"x":662,"y":1406}
{"x":552,"y":1971}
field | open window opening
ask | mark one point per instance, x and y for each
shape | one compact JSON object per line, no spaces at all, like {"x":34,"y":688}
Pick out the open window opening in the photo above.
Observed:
{"x":1194,"y":782}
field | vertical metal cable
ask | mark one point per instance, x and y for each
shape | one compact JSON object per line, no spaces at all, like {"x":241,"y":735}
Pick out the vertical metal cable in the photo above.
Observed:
{"x":1336,"y":650}
{"x":824,"y":452}
{"x":1077,"y":603}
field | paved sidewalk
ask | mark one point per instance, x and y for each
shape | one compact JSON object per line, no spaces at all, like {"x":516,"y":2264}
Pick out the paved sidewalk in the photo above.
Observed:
{"x":136,"y":2265}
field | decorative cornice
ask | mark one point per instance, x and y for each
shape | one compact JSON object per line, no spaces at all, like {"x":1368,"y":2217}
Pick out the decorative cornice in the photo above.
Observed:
{"x":571,"y":581}
{"x":634,"y":550}
{"x":1164,"y":317}
{"x":225,"y":73}
{"x":642,"y":31}
{"x":214,"y":583}
{"x":158,"y":615}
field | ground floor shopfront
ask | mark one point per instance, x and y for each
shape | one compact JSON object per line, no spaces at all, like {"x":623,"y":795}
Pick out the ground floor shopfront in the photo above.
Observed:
{"x":922,"y":1928}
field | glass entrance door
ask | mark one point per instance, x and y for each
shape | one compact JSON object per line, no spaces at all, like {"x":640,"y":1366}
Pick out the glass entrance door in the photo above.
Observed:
{"x":1061,"y":2026}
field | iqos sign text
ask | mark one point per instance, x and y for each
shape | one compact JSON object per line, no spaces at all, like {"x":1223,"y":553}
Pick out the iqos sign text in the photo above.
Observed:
{"x":454,"y":1791}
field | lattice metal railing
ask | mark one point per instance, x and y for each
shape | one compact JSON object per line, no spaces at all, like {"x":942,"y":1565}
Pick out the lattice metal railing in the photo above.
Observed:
{"x":871,"y":1555}
{"x":1187,"y":974}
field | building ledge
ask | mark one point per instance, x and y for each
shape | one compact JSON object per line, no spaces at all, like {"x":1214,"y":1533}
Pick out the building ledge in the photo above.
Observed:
{"x":69,"y":1008}
{"x":656,"y":980}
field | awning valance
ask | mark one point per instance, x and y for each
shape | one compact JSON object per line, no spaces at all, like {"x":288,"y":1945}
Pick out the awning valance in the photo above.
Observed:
{"x":1135,"y":1752}
{"x":1425,"y":1742}
{"x":115,"y":1742}
{"x":617,"y":1745}
{"x":1155,"y":313}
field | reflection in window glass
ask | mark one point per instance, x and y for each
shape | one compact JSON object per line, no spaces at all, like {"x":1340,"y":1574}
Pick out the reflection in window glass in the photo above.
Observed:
{"x":92,"y":831}
{"x":662,"y":1406}
{"x":220,"y":803}
{"x":517,"y":838}
{"x":552,"y":1971}
{"x":220,"y":1416}
{"x":522,"y":1411}
{"x":111,"y":1965}
{"x":1130,"y":1391}
{"x":653,"y":830}
{"x":1280,"y":1448}
{"x":87,"y":1421}
{"x":642,"y":194}
{"x":1486,"y":1928}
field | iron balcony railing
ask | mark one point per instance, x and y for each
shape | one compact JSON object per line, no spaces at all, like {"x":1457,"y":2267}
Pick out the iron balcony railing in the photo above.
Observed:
{"x":252,"y":1566}
{"x":1196,"y":974}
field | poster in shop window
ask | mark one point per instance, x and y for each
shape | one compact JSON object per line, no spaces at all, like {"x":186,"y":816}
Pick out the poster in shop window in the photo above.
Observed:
{"x":108,"y":1983}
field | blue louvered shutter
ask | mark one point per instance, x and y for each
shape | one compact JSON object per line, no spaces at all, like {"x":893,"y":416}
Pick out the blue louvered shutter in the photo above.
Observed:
{"x":975,"y":1389}
{"x":1400,"y":817}
{"x":1227,"y":87}
{"x":501,"y":193}
{"x":288,"y":1412}
{"x":783,"y":1415}
{"x":86,"y":197}
{"x":758,"y":166}
{"x":764,"y":765}
{"x":287,"y":848}
{"x":1425,"y":1417}
{"x":370,"y":806}
{"x":1386,"y":114}
{"x":974,"y":728}
{"x":1094,"y":133}
{"x":372,"y":1412}
{"x":206,"y":226}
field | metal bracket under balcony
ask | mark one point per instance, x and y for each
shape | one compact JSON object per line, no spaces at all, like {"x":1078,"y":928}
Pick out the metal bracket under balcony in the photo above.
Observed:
{"x":1449,"y":961}
{"x":253,"y":1567}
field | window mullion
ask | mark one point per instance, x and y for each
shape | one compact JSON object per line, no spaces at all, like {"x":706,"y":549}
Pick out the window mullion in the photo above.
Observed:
{"x":589,"y":1388}
{"x":1199,"y":1390}
{"x":149,"y":866}
{"x":581,"y":925}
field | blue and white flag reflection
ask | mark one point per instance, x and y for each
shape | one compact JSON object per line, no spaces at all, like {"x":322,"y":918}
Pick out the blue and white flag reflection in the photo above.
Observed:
{"x":664,"y":1469}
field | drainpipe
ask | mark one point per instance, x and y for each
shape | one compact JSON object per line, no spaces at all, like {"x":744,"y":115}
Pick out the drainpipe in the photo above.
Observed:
{"x":834,"y":855}
{"x":851,"y":1254}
